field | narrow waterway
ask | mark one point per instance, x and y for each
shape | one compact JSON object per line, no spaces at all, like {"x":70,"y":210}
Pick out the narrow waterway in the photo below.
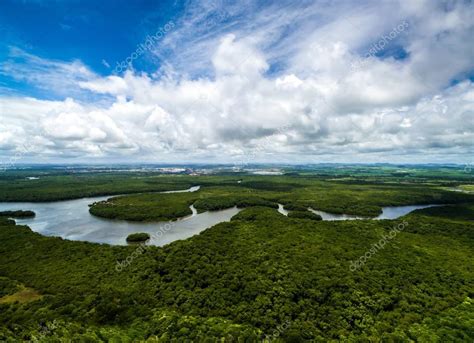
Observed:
{"x":389,"y":212}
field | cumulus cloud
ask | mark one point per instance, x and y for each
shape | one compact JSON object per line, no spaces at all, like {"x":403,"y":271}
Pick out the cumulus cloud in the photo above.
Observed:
{"x":279,"y":86}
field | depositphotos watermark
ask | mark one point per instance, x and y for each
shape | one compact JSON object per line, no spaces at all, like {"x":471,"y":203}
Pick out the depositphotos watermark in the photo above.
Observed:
{"x":380,"y":45}
{"x":377,"y":246}
{"x":468,"y":167}
{"x":24,"y":149}
{"x":147,"y":45}
{"x":143,"y":246}
{"x":277,"y":331}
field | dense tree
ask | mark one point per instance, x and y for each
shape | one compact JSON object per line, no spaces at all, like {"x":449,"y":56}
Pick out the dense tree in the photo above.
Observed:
{"x":260,"y":276}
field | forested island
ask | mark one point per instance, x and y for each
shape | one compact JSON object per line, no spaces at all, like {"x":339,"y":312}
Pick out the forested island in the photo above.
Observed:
{"x":138,"y":237}
{"x":17,"y":214}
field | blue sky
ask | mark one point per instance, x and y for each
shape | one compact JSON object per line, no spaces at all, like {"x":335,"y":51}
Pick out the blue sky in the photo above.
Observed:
{"x":95,"y":32}
{"x":87,"y":30}
{"x":239,"y":82}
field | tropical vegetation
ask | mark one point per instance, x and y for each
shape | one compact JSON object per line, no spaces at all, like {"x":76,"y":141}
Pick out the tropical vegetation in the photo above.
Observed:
{"x":261,"y":276}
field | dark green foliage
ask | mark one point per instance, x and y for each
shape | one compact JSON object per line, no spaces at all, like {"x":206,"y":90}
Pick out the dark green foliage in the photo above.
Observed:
{"x":162,"y":207}
{"x":7,"y":286}
{"x":295,"y":207}
{"x":460,"y":212}
{"x":271,"y":186}
{"x":254,"y":213}
{"x":17,"y":214}
{"x":6,"y":221}
{"x":219,"y":203}
{"x":248,"y":277}
{"x":138,"y":237}
{"x":145,"y":207}
{"x":260,"y":275}
{"x":368,"y":200}
{"x":339,"y":192}
{"x":52,"y":188}
{"x":452,"y":325}
{"x":304,"y":215}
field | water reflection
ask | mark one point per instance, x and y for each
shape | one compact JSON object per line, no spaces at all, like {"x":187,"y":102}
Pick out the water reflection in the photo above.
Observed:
{"x":389,"y":212}
{"x":71,"y":220}
{"x":282,"y":210}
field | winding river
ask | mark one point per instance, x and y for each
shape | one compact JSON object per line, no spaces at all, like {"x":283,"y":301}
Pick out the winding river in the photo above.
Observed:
{"x":388,"y":212}
{"x":71,"y":220}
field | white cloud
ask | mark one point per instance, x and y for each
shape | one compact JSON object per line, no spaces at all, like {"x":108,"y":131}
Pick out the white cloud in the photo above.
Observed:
{"x":57,"y":76}
{"x":111,"y":84}
{"x":316,"y":108}
{"x":237,"y":58}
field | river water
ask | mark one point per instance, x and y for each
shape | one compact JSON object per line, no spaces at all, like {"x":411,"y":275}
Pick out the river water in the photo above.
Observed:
{"x":71,"y":220}
{"x":389,"y":212}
